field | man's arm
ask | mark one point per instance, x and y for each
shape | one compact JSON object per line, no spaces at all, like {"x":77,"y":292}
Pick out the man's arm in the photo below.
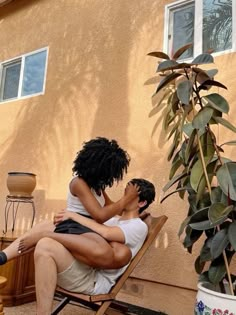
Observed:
{"x":110,"y":233}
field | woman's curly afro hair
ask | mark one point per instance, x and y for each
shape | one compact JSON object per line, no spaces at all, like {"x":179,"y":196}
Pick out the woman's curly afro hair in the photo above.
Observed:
{"x":100,"y":163}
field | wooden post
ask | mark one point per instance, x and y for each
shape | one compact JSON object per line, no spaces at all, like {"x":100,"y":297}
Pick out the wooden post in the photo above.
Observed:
{"x":2,"y":284}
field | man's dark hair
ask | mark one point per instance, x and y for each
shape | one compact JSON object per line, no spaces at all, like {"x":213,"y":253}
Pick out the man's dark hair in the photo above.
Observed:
{"x":100,"y":163}
{"x":147,"y":191}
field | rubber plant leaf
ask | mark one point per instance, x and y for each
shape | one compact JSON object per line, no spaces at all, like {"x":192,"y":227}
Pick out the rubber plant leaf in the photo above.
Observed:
{"x":225,"y":123}
{"x":205,"y":253}
{"x":232,"y":234}
{"x":166,"y":65}
{"x":218,"y":211}
{"x":167,"y":80}
{"x":203,"y":59}
{"x":174,"y":180}
{"x":188,"y":129}
{"x":212,"y":72}
{"x":209,"y":83}
{"x":226,"y":176}
{"x":218,"y":102}
{"x":199,"y":265}
{"x":219,"y":243}
{"x":184,"y":90}
{"x":158,"y":54}
{"x":233,"y":142}
{"x":197,"y":173}
{"x":181,"y":50}
{"x":202,"y":118}
{"x":153,"y":80}
{"x":216,"y":272}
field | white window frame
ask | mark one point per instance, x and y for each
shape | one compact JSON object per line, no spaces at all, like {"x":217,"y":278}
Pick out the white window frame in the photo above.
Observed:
{"x":197,"y":26}
{"x":22,"y":58}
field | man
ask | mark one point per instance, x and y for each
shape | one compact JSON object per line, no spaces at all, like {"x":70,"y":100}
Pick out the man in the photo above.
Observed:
{"x":76,"y":262}
{"x":54,"y":264}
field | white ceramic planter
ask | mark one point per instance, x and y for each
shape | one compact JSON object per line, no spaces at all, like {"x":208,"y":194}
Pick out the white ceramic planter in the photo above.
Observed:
{"x":210,"y":302}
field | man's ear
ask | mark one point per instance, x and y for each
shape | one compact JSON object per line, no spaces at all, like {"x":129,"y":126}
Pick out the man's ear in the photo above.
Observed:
{"x":142,"y":203}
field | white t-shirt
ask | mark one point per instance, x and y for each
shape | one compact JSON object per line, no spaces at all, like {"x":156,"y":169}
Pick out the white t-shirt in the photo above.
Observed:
{"x":135,"y":232}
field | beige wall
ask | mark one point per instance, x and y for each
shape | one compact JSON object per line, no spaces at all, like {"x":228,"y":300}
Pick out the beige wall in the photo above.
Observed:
{"x":97,"y":67}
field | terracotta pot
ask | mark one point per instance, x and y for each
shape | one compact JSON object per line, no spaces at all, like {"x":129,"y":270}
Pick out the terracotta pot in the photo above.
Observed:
{"x":21,"y":184}
{"x":211,"y":302}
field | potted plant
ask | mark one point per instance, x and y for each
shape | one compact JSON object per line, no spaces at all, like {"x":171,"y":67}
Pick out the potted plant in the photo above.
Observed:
{"x":199,"y":170}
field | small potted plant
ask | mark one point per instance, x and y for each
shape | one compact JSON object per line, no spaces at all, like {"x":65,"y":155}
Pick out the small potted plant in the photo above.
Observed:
{"x":200,"y":172}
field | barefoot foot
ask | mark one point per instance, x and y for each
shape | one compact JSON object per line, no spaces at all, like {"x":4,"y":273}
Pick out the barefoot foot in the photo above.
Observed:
{"x":29,"y":241}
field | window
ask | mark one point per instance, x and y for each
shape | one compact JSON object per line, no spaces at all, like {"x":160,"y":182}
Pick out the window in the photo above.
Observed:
{"x":23,"y":76}
{"x":208,"y":24}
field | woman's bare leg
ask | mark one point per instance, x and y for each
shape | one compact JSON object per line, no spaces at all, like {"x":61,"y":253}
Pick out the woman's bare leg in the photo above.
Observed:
{"x":89,"y":248}
{"x":13,"y":250}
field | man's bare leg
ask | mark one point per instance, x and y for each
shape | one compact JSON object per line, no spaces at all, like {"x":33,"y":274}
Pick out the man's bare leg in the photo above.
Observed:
{"x":50,"y":258}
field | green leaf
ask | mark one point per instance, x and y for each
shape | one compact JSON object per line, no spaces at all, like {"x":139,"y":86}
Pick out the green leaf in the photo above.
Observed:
{"x":199,"y":265}
{"x":183,"y":226}
{"x":226,"y":176}
{"x":174,"y":167}
{"x":218,"y":102}
{"x":217,"y":195}
{"x":167,"y":80}
{"x":219,"y":243}
{"x":209,"y":83}
{"x":202,"y":118}
{"x":173,"y":192}
{"x":218,"y":211}
{"x":184,"y":90}
{"x":153,"y":80}
{"x":196,"y":174}
{"x":190,"y":148}
{"x":181,"y":50}
{"x":233,"y":142}
{"x":173,"y":181}
{"x":158,"y":54}
{"x":201,"y":226}
{"x":212,"y":72}
{"x":201,"y":188}
{"x":216,"y":272}
{"x":225,"y":123}
{"x":203,"y":59}
{"x":191,"y":237}
{"x":166,"y":65}
{"x":188,"y":129}
{"x":205,"y":253}
{"x":232,"y":235}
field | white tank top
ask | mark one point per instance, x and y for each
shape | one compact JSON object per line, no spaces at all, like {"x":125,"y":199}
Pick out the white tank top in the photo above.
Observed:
{"x":75,"y":205}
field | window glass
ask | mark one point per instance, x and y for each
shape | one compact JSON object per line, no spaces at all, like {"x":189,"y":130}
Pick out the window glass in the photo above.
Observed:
{"x":11,"y":77}
{"x":217,"y":25}
{"x":33,"y":78}
{"x":181,"y":29}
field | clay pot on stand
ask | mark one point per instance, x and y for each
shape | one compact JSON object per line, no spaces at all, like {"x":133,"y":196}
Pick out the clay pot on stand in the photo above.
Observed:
{"x":21,"y":184}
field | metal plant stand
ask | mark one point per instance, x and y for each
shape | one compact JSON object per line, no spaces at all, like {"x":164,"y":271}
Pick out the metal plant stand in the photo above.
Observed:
{"x":13,"y":202}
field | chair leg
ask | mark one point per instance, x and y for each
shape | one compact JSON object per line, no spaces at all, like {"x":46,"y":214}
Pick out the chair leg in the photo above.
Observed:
{"x":60,"y":306}
{"x":102,"y":309}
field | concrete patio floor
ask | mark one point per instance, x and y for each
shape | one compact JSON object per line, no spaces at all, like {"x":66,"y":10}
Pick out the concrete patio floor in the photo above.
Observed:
{"x":29,"y":309}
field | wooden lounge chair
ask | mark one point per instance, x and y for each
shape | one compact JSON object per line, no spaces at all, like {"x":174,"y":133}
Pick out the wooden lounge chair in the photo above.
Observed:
{"x":106,"y":303}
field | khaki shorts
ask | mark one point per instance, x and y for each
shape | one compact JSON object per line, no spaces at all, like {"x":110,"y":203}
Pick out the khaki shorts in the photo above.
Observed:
{"x":78,"y":277}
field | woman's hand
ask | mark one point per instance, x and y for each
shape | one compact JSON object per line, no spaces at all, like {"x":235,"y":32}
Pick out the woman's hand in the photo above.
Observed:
{"x":62,"y":215}
{"x":132,"y":191}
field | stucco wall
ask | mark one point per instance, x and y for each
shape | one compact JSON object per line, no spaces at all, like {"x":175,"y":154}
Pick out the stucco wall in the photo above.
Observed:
{"x":97,"y":67}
